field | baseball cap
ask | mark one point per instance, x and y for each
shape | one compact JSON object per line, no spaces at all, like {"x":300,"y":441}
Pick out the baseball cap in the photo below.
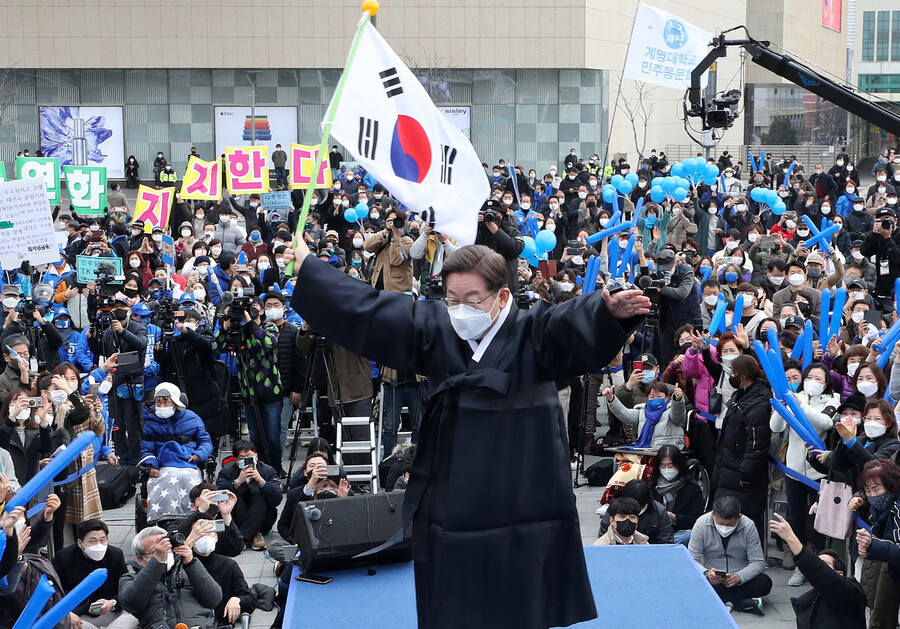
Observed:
{"x":141,"y":310}
{"x":815,"y":258}
{"x":665,"y":259}
{"x":648,"y":359}
{"x":795,"y":321}
{"x":10,"y":289}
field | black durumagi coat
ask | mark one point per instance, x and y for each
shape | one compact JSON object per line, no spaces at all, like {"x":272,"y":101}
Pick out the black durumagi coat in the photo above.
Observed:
{"x":496,"y":540}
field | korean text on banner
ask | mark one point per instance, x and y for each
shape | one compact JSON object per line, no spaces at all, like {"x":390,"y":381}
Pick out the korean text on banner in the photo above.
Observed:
{"x":246,"y":169}
{"x":153,"y":207}
{"x":277,"y":201}
{"x":26,"y":224}
{"x":87,"y":188}
{"x":46,"y":168}
{"x":88,"y":265}
{"x":664,"y":49}
{"x":167,"y":250}
{"x":202,"y":180}
{"x":303,"y":163}
{"x":388,"y":122}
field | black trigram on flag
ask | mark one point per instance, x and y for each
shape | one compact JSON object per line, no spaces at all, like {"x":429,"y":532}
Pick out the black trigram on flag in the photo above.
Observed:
{"x":368,"y":137}
{"x":391,"y":82}
{"x":448,"y":155}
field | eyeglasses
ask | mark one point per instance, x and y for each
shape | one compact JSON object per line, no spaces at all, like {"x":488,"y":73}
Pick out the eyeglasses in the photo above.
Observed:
{"x":456,"y":302}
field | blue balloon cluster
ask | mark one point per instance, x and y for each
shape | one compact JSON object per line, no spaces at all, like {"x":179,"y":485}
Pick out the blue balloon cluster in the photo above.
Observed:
{"x":536,"y":248}
{"x":683,"y":176}
{"x":770,"y":198}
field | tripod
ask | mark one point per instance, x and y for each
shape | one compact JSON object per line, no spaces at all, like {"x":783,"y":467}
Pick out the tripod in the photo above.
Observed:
{"x":321,"y":352}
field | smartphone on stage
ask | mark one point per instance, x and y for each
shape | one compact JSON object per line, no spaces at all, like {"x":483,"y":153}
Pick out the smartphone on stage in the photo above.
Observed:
{"x":314,"y":578}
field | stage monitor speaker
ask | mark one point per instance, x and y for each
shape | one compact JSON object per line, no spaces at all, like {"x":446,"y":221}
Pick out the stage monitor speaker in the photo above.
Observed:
{"x":329,"y":533}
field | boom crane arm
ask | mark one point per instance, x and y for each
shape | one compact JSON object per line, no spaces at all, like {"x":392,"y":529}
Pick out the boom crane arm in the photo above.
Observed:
{"x":795,"y":72}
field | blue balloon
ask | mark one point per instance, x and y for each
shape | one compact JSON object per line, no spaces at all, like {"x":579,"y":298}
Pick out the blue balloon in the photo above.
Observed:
{"x":757,"y":194}
{"x":689,"y":164}
{"x":658,"y":181}
{"x":534,"y":261}
{"x":530,"y":247}
{"x":770,"y":197}
{"x":545,"y":241}
{"x":632,"y":178}
{"x":350,"y":215}
{"x":669,"y":184}
{"x":615,"y":179}
{"x":683,"y":183}
{"x":712,"y":172}
{"x":677,"y":170}
{"x":779,"y":207}
{"x":609,"y":193}
{"x":362,"y":210}
{"x":710,"y":180}
{"x":657,"y":194}
{"x":625,"y":186}
{"x":679,"y":193}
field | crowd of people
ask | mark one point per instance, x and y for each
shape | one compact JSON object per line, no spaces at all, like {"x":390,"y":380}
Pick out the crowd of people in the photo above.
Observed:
{"x":166,"y":364}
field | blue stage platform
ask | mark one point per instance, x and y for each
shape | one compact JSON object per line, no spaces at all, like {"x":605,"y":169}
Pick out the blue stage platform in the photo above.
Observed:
{"x":635,"y":586}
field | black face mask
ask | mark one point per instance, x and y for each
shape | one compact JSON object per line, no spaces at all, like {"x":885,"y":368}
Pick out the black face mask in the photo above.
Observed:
{"x":813,"y":274}
{"x":130,"y":292}
{"x":625,"y":528}
{"x":735,"y":382}
{"x":684,"y":347}
{"x":804,"y":307}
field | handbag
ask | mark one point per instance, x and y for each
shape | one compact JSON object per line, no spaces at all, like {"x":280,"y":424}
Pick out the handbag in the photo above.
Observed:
{"x":715,"y":401}
{"x":833,"y":515}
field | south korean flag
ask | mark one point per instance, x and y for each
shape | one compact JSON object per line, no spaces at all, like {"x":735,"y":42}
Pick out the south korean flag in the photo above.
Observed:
{"x":388,"y":122}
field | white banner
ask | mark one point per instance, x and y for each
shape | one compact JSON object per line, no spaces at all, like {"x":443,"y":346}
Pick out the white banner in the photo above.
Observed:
{"x":26,"y":224}
{"x":103,"y":140}
{"x":392,"y":128}
{"x":460,"y":116}
{"x":664,"y":49}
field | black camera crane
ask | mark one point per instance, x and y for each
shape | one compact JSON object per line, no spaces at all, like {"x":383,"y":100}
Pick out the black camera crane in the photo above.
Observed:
{"x":721,"y":112}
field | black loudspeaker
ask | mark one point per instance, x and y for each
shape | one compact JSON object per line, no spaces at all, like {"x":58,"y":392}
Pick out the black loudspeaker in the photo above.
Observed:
{"x":329,"y":533}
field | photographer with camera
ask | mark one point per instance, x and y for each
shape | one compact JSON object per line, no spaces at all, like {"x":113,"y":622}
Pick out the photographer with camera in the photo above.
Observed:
{"x":882,"y":243}
{"x":497,"y":231}
{"x":169,"y":577}
{"x":44,"y":340}
{"x":128,"y":338}
{"x":393,"y":267}
{"x":258,"y":492}
{"x":253,"y":344}
{"x":677,"y":299}
{"x":431,"y":247}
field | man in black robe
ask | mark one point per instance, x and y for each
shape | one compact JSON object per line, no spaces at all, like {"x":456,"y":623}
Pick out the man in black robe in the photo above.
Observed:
{"x":496,"y":541}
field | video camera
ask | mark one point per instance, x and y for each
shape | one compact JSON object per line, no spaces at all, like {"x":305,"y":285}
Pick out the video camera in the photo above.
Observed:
{"x":526,"y":296}
{"x":166,"y":314}
{"x":106,"y":275}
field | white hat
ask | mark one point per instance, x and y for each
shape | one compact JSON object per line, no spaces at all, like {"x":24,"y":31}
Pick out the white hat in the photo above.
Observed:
{"x":169,"y":390}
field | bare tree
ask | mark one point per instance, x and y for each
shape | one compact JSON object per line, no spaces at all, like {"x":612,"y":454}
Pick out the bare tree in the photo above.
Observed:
{"x":638,"y":110}
{"x":12,"y":90}
{"x":433,"y":72}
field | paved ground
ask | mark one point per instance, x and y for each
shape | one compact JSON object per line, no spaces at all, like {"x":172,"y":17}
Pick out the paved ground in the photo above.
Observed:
{"x":258,"y":569}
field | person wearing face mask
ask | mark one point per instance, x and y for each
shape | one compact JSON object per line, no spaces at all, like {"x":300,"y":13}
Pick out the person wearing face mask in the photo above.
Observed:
{"x":882,"y":243}
{"x":816,"y":267}
{"x":169,"y":578}
{"x":634,"y":391}
{"x":680,"y":226}
{"x":823,"y":183}
{"x":132,"y":174}
{"x":479,"y":322}
{"x":710,"y":229}
{"x":74,"y":348}
{"x":25,"y":436}
{"x":392,"y":269}
{"x":255,"y":245}
{"x":659,"y":421}
{"x":166,"y":177}
{"x":291,"y":368}
{"x":797,"y":284}
{"x":159,"y":163}
{"x":653,"y":520}
{"x":432,"y":248}
{"x":18,"y":373}
{"x":229,"y":232}
{"x":671,"y":485}
{"x":819,"y":402}
{"x":623,"y":513}
{"x":175,"y":445}
{"x":839,"y":170}
{"x":741,"y":463}
{"x":858,"y":261}
{"x":859,"y":223}
{"x":726,"y":545}
{"x":75,"y":562}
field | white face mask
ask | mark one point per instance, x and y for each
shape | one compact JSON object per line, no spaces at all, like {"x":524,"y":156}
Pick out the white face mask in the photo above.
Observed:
{"x":358,"y":242}
{"x":826,"y":209}
{"x":233,"y":221}
{"x":669,"y":473}
{"x":164,"y":412}
{"x":578,"y":260}
{"x":190,"y":325}
{"x":676,"y":211}
{"x":796,"y":279}
{"x":374,"y":216}
{"x":262,"y":266}
{"x":470,"y":323}
{"x":731,"y":245}
{"x":851,"y":369}
{"x":582,"y":195}
{"x":603,"y":222}
{"x":727,"y":360}
{"x":216,"y":250}
{"x":642,"y":184}
{"x":813,"y":388}
{"x":274,"y":314}
{"x":345,"y":203}
{"x":105,"y":387}
{"x":199,"y":293}
{"x":753,"y":236}
{"x":711,"y":300}
{"x":874,"y":430}
{"x":868,"y":389}
{"x":857,"y":255}
{"x":566,"y":286}
{"x":713,"y":210}
{"x":858,"y":207}
{"x":525,"y":206}
{"x":205,"y":545}
{"x":58,"y":397}
{"x":10,"y":302}
{"x":790,"y":224}
{"x":134,"y":263}
{"x":95,"y":552}
{"x":725,"y":531}
{"x":858,"y":317}
{"x":24,"y":414}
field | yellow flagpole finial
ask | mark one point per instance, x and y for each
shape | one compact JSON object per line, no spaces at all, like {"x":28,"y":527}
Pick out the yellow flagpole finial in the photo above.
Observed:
{"x":371,"y":7}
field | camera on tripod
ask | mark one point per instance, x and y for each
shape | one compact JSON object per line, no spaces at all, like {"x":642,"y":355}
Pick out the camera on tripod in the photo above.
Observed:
{"x":434,"y":288}
{"x":106,"y":276}
{"x":526,"y":296}
{"x":166,"y":314}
